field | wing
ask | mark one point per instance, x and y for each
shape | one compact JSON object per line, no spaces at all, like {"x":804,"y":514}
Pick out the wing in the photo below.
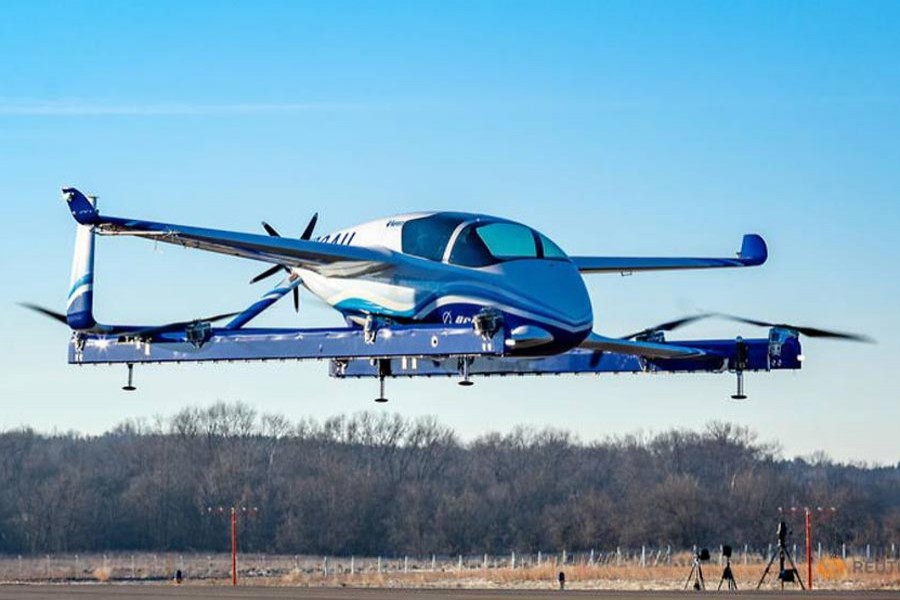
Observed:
{"x":330,"y":259}
{"x":646,"y":349}
{"x":753,"y":253}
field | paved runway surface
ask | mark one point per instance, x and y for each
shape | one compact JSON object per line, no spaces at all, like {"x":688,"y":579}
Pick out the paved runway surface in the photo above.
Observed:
{"x":154,"y":592}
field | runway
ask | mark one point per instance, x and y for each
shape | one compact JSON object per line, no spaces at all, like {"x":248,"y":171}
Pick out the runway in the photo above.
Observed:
{"x":154,"y":592}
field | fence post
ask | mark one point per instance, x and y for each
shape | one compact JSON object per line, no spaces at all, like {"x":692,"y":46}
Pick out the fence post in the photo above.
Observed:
{"x":643,"y":556}
{"x":618,"y":556}
{"x":538,"y":561}
{"x":844,"y":551}
{"x":459,"y":564}
{"x":325,"y":566}
{"x":352,"y":565}
{"x":564,"y":558}
{"x":406,"y":564}
{"x":591,"y":559}
{"x":868,"y":552}
{"x":432,"y":563}
{"x":379,"y":564}
{"x":745,"y":554}
{"x":77,"y":567}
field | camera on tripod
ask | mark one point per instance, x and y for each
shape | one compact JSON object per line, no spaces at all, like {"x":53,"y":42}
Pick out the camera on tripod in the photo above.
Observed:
{"x":785,"y":574}
{"x":727,"y":573}
{"x":696,"y":574}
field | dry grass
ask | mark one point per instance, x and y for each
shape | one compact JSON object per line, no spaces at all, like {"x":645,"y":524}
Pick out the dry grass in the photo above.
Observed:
{"x":308,"y":571}
{"x":830,"y":574}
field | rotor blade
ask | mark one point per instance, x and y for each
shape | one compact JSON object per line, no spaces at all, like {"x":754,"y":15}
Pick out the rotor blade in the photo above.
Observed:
{"x":668,"y":325}
{"x":46,"y":312}
{"x":813,"y":332}
{"x":270,"y":230}
{"x":267,"y":273}
{"x":307,"y":233}
{"x":213,"y":318}
{"x":151,"y":331}
{"x":296,"y":300}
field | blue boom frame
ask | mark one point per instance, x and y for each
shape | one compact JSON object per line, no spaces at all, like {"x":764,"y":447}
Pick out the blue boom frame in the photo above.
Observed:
{"x":399,"y":350}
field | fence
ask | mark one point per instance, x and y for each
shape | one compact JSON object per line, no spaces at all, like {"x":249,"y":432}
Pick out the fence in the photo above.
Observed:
{"x":204,"y":566}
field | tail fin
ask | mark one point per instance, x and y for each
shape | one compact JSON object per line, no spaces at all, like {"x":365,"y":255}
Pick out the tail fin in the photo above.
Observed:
{"x":80,"y":305}
{"x":753,"y":250}
{"x":84,"y":211}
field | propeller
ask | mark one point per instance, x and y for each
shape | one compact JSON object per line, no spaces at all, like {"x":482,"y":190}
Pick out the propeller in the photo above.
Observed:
{"x":307,"y":234}
{"x":267,"y":273}
{"x":141,"y":332}
{"x":45,"y":311}
{"x":668,"y":325}
{"x":813,"y":332}
{"x":177,"y":325}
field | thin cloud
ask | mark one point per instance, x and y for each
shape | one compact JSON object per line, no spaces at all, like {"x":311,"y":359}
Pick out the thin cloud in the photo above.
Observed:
{"x":64,"y":108}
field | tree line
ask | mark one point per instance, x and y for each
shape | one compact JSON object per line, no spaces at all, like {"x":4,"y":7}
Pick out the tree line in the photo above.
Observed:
{"x":380,"y":484}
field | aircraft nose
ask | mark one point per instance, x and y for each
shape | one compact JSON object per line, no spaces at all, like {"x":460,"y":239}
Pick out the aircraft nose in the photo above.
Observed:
{"x":568,"y":293}
{"x":557,"y":287}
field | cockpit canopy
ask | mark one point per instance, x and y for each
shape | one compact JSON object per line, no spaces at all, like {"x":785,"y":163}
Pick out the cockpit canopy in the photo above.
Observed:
{"x":474,"y":241}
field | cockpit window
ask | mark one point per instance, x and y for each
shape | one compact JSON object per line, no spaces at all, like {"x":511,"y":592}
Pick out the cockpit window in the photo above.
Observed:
{"x":479,"y":245}
{"x":551,"y":250}
{"x":508,"y":240}
{"x":428,"y":237}
{"x":470,"y":251}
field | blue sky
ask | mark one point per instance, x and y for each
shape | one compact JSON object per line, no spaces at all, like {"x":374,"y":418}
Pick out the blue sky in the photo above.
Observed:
{"x":614,"y":127}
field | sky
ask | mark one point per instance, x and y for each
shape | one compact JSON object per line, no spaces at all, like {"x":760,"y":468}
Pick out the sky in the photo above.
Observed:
{"x":617,"y":128}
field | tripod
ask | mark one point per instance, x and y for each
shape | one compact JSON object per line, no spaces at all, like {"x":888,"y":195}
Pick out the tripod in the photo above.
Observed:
{"x":728,"y":575}
{"x":784,"y":575}
{"x":697,"y":571}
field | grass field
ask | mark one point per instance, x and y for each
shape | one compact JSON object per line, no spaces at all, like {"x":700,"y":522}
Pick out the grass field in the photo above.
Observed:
{"x":280,"y":570}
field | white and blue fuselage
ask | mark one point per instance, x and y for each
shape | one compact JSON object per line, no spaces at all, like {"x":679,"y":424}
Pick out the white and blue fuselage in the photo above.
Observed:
{"x":454,"y":266}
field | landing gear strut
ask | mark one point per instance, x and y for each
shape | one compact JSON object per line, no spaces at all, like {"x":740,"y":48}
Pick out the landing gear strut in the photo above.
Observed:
{"x":129,"y":387}
{"x":384,"y":370}
{"x":739,"y":393}
{"x":464,"y":364}
{"x":740,"y":363}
